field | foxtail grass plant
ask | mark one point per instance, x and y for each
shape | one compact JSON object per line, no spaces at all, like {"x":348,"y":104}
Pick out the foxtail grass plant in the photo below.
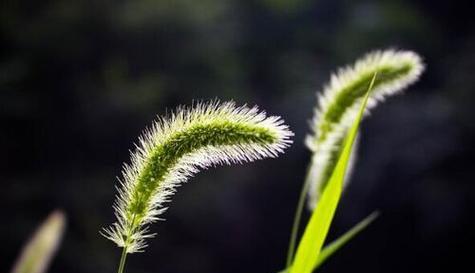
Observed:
{"x":338,"y":107}
{"x":176,"y":147}
{"x":207,"y":134}
{"x":309,"y":249}
{"x":339,"y":102}
{"x":40,"y":249}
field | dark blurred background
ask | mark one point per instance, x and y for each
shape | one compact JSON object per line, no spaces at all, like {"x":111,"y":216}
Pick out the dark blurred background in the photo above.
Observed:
{"x":79,"y":80}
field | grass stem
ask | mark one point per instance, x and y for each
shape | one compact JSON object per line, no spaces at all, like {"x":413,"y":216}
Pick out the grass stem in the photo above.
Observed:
{"x":296,"y":223}
{"x":122,"y":260}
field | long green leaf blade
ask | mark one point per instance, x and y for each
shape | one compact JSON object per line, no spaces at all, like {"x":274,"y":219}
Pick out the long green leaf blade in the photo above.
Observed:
{"x":334,"y":246}
{"x":316,"y":231}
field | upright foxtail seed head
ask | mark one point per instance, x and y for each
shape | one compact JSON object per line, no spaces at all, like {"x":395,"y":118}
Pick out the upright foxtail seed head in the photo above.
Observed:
{"x":41,"y":248}
{"x":339,"y":102}
{"x":174,"y":148}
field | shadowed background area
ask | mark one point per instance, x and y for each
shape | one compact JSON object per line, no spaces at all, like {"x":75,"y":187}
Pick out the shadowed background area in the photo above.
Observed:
{"x":79,"y":80}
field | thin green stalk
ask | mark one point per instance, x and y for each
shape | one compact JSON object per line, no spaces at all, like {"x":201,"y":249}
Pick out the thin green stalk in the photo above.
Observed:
{"x":123,"y":257}
{"x":296,"y":223}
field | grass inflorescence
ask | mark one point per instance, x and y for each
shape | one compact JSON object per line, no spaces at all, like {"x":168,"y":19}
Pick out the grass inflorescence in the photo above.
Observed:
{"x":387,"y":72}
{"x":338,"y":106}
{"x":175,"y":148}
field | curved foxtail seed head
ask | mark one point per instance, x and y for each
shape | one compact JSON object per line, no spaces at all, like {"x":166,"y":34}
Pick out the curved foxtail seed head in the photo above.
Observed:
{"x":175,"y":148}
{"x":339,"y":102}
